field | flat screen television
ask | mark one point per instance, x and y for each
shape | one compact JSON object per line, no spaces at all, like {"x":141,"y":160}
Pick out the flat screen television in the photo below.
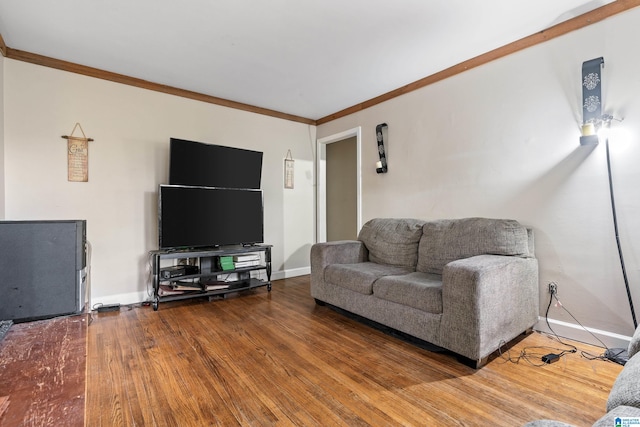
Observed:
{"x":194,"y":217}
{"x":207,"y":165}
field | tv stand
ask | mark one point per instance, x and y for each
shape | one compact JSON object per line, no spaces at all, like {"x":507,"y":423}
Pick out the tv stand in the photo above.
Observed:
{"x":204,"y":274}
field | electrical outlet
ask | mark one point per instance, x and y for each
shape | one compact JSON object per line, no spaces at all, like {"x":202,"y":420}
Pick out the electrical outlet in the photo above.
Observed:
{"x":553,"y":288}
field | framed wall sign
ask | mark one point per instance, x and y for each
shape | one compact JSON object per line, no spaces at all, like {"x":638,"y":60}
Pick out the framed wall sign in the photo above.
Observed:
{"x":77,"y":156}
{"x":288,"y":170}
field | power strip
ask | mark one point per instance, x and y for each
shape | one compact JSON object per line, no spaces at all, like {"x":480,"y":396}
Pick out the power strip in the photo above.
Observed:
{"x":108,"y":307}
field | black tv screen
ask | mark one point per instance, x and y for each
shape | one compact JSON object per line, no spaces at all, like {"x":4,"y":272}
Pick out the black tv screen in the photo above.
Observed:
{"x":192,"y":217}
{"x":207,"y":165}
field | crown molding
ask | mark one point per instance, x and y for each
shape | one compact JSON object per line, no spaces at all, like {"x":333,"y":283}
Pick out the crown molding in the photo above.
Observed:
{"x":71,"y":67}
{"x":550,"y":33}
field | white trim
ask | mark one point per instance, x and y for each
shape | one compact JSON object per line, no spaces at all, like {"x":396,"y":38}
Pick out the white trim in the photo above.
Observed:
{"x":583,"y":334}
{"x":321,"y":193}
{"x":295,"y":272}
{"x":122,"y":299}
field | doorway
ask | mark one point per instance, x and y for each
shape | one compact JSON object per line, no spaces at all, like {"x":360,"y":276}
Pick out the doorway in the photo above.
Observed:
{"x":329,"y":209}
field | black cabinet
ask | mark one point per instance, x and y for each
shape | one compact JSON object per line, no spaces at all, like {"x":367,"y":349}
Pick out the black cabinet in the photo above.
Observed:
{"x":181,"y":274}
{"x":43,"y":266}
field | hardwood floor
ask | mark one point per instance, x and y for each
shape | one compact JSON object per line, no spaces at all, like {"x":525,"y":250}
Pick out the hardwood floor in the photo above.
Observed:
{"x":263,"y":359}
{"x":42,"y":373}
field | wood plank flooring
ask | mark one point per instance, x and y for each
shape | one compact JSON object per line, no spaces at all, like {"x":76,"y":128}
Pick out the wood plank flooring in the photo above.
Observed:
{"x":42,"y":373}
{"x":264,"y":359}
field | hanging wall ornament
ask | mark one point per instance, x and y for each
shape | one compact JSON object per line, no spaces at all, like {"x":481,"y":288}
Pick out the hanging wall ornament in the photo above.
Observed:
{"x":592,"y":90}
{"x":77,"y":156}
{"x":381,"y":166}
{"x":288,"y":170}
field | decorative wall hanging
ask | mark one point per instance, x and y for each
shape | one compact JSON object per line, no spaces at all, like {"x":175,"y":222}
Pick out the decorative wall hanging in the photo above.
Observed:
{"x":381,"y":166}
{"x":77,"y":156}
{"x":591,"y":100}
{"x":288,"y":170}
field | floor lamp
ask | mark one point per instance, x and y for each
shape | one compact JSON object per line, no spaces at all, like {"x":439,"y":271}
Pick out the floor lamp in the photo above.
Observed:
{"x":592,"y":120}
{"x":618,"y":355}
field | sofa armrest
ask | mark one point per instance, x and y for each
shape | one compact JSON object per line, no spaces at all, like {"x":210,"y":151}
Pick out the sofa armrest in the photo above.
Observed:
{"x":337,"y":252}
{"x":487,"y":301}
{"x":634,"y":344}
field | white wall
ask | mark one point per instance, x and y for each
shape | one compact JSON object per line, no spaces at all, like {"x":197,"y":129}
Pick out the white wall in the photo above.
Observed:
{"x":501,"y":141}
{"x":129,"y":159}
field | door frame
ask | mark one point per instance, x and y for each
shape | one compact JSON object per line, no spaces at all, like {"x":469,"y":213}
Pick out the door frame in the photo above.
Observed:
{"x":321,"y":193}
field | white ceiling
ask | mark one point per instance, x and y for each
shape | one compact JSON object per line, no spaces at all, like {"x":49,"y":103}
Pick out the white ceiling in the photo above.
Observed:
{"x":309,"y":58}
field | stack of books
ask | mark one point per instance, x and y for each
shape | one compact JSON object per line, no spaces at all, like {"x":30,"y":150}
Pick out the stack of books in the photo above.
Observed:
{"x":216,"y":287}
{"x":248,"y":260}
{"x":226,"y":263}
{"x":212,"y":284}
{"x":177,"y":288}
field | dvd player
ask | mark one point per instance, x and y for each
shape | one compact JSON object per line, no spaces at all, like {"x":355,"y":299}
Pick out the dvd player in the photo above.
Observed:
{"x":178,"y":271}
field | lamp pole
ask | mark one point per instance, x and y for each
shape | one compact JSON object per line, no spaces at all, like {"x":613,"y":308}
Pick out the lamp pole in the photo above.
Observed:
{"x":615,"y":227}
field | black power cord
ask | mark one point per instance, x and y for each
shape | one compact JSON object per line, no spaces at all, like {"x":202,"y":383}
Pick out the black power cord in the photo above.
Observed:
{"x":617,"y":355}
{"x":573,"y":349}
{"x":540,"y":355}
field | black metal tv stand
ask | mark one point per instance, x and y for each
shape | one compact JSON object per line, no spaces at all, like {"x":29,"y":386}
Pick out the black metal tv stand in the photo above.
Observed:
{"x":204,"y":276}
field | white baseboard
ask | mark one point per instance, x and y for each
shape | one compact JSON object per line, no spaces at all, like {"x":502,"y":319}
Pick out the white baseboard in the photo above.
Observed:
{"x":578,"y":333}
{"x":294,"y":272}
{"x":138,"y":297}
{"x":122,"y":299}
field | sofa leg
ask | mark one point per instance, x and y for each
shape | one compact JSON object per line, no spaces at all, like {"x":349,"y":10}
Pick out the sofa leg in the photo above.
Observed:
{"x":481,"y":362}
{"x":473,"y":363}
{"x":318,"y":302}
{"x":528,"y":331}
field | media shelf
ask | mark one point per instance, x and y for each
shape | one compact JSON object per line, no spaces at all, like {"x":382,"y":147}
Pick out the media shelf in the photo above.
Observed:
{"x":200,"y":269}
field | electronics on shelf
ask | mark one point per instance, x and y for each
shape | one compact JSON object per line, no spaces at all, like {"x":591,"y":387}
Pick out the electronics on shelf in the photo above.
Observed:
{"x":178,"y":271}
{"x":210,"y":223}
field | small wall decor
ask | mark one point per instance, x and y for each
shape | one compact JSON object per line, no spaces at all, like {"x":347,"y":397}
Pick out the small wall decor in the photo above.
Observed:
{"x":592,"y":90}
{"x":288,"y":170}
{"x":381,"y":166}
{"x":591,"y":100}
{"x":77,"y":156}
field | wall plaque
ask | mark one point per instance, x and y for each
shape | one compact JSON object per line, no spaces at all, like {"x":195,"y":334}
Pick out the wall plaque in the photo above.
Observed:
{"x":77,"y":156}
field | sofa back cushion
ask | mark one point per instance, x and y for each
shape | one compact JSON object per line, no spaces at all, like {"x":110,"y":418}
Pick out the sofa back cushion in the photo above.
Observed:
{"x":447,"y":240}
{"x":392,"y":241}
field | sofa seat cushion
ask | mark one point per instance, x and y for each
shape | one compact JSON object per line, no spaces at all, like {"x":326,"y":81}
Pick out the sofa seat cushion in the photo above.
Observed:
{"x":448,"y":240}
{"x":392,"y":241}
{"x":626,"y":388}
{"x":360,"y":277}
{"x":418,"y":290}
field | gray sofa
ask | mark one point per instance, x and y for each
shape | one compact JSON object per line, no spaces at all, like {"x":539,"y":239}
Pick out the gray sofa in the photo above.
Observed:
{"x":624,"y":398}
{"x":467,"y":285}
